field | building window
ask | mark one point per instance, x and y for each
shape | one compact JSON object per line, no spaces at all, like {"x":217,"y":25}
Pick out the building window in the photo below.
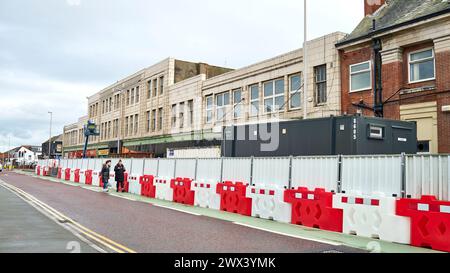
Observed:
{"x":110,"y":104}
{"x":222,"y":101}
{"x":147,"y":125}
{"x":295,"y":84}
{"x":237,"y":100}
{"x":109,"y":129}
{"x":131,"y":125}
{"x":360,"y":77}
{"x":174,"y":115}
{"x":274,"y":96}
{"x":181,"y":113}
{"x":128,"y":97}
{"x":136,"y":124}
{"x":153,"y":120}
{"x":138,"y":95}
{"x":149,"y":89}
{"x":320,"y":84}
{"x":254,"y":100}
{"x":190,"y":113}
{"x":161,"y":85}
{"x":160,"y":119}
{"x":103,"y":107}
{"x":421,"y":66}
{"x":132,"y":96}
{"x":209,"y":109}
{"x":155,"y":87}
{"x":116,"y":134}
{"x":126,"y":126}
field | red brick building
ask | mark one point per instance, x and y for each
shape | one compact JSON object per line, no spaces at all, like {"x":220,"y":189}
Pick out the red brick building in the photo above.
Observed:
{"x":396,"y":64}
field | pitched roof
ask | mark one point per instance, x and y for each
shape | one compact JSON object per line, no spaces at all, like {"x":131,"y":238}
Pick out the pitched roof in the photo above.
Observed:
{"x":396,"y":13}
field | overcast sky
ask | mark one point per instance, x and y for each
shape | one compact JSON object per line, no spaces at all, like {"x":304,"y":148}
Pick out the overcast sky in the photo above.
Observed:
{"x":55,"y":53}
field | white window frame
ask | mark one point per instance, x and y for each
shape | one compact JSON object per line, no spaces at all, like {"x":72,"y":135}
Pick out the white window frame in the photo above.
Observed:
{"x":237,"y":104}
{"x":211,"y":109}
{"x":273,"y":96}
{"x":224,"y":106}
{"x":419,"y":61}
{"x":360,"y":72}
{"x":292,"y":92}
{"x":254,"y":100}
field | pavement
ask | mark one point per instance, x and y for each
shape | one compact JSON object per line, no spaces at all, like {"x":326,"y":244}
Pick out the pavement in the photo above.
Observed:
{"x":127,"y":223}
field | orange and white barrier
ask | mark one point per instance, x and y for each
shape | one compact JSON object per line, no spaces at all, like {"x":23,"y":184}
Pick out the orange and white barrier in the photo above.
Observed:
{"x":268,"y":203}
{"x":163,"y":189}
{"x":206,"y":195}
{"x":373,"y":217}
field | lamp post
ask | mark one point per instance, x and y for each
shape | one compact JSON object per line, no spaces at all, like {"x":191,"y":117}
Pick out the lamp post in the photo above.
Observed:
{"x":50,"y":139}
{"x":305,"y":63}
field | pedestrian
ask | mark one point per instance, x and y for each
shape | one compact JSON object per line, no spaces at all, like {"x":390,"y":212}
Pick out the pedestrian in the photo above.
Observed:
{"x":105,"y":175}
{"x":120,"y":170}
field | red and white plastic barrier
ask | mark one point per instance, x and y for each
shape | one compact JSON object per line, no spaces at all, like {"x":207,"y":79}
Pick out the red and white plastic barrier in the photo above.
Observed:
{"x":88,"y":177}
{"x":430,"y":221}
{"x":163,"y":189}
{"x":268,"y":203}
{"x":314,"y":209}
{"x":37,"y":170}
{"x":67,"y":174}
{"x":148,"y":188}
{"x":182,"y":192}
{"x":206,"y":195}
{"x":373,"y":217}
{"x":233,"y":199}
{"x":60,"y":172}
{"x":82,"y":176}
{"x":45,"y":171}
{"x":95,"y":178}
{"x":134,"y":184}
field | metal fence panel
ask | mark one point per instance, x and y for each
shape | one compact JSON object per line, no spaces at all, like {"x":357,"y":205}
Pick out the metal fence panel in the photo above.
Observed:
{"x":271,"y":171}
{"x":70,"y":163}
{"x":428,"y":175}
{"x":185,"y":168}
{"x":166,"y":168}
{"x":137,"y":167}
{"x":370,"y":174}
{"x":237,"y":170}
{"x":84,"y":164}
{"x":209,"y":170}
{"x":151,"y":167}
{"x":315,"y":172}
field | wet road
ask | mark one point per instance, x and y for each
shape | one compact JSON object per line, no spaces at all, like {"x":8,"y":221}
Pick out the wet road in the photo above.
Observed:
{"x":143,"y":227}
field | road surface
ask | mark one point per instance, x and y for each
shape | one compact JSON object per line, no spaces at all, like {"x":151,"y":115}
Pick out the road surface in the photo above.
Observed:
{"x":131,"y":226}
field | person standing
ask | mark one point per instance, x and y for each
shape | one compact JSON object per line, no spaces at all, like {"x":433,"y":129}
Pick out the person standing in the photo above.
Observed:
{"x":105,"y":175}
{"x":120,"y":170}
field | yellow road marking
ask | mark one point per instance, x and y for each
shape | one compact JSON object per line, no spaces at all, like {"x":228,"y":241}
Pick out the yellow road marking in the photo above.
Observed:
{"x":82,"y":229}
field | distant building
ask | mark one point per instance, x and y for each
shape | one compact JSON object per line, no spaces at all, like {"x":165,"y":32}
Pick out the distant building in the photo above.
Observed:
{"x":56,"y":147}
{"x":24,"y":155}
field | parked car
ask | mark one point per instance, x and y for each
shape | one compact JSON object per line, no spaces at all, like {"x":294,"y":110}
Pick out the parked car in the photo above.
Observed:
{"x":1,"y":167}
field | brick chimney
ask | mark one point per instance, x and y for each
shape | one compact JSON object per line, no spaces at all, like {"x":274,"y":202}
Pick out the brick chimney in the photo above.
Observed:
{"x":371,"y":6}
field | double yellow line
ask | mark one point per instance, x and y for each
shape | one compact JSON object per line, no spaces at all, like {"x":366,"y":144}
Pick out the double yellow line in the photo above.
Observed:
{"x":82,"y":230}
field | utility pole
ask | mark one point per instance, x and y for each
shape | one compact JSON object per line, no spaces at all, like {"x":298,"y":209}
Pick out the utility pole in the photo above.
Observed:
{"x":305,"y":63}
{"x":50,"y":139}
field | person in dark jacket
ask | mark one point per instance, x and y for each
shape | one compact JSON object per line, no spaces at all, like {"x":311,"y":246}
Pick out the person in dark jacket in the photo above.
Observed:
{"x":120,"y":170}
{"x":105,"y":175}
